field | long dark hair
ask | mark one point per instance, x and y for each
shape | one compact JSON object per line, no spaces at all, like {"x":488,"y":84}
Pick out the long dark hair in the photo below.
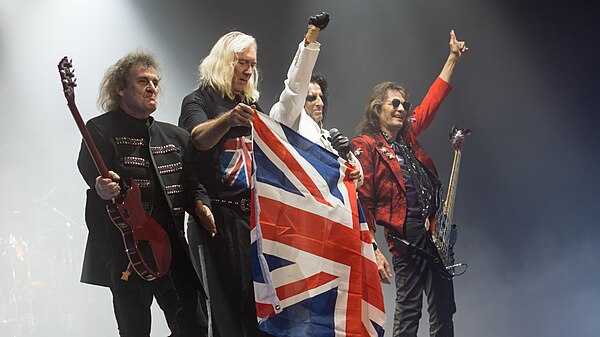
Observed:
{"x":319,"y":79}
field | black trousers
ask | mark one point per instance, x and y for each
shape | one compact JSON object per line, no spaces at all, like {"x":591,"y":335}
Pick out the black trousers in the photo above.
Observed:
{"x":229,"y":274}
{"x":415,"y":276}
{"x":176,"y":293}
{"x":198,"y":239}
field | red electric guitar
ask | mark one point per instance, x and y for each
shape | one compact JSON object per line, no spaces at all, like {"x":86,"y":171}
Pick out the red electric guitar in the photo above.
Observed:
{"x":146,"y":242}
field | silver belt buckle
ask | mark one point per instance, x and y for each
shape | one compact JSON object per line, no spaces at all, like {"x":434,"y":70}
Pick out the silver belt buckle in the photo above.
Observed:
{"x":245,"y":205}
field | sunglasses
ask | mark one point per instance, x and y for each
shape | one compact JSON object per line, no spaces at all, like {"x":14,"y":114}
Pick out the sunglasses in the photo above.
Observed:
{"x":396,"y":103}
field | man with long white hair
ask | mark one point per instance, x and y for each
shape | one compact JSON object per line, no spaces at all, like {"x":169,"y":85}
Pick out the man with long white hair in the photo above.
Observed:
{"x":218,"y":115}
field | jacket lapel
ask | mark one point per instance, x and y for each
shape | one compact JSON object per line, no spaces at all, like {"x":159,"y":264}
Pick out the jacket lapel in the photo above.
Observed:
{"x":388,"y":156}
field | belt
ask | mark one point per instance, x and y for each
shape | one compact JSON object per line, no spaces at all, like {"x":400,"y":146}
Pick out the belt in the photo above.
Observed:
{"x":242,"y":204}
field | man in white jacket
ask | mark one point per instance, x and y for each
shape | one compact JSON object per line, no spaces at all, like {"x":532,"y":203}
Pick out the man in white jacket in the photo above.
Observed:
{"x":303,"y":103}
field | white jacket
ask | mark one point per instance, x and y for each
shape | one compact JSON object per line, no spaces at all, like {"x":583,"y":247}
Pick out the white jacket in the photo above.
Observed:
{"x":289,"y":110}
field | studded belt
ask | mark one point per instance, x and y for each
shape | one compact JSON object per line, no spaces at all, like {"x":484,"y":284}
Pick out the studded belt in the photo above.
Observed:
{"x":242,"y":204}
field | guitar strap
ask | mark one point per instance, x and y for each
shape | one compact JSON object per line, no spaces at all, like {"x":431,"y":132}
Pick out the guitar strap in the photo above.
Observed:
{"x":436,"y":262}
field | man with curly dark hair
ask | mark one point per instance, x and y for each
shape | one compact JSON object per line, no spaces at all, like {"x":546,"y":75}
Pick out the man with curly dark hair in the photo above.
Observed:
{"x":153,"y":154}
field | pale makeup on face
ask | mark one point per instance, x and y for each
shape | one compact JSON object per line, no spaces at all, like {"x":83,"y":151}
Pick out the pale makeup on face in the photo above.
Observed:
{"x":314,"y":102}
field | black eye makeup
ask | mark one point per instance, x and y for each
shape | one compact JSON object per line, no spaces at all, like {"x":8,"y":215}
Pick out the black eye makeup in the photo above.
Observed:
{"x":312,"y":98}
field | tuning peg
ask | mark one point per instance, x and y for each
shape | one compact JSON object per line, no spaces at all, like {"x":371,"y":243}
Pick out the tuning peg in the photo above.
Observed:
{"x":452,"y":131}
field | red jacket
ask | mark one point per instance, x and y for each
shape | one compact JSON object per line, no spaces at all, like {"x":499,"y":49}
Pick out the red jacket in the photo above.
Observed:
{"x":383,"y":196}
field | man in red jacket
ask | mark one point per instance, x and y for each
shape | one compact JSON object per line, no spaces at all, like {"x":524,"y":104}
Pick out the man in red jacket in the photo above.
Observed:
{"x":399,"y":193}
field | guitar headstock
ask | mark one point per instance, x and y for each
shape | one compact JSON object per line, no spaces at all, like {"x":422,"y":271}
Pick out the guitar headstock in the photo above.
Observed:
{"x":67,"y":77}
{"x":457,"y":137}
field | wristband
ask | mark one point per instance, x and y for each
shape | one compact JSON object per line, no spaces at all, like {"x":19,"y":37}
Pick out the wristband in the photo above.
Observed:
{"x":306,"y":42}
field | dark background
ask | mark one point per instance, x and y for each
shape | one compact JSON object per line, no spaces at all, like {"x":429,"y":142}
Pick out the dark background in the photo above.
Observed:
{"x":527,"y":197}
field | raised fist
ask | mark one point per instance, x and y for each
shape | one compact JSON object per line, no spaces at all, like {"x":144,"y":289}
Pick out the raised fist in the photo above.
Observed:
{"x":320,"y":20}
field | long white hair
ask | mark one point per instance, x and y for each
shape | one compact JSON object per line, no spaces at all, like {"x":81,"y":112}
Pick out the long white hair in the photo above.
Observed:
{"x":217,"y":68}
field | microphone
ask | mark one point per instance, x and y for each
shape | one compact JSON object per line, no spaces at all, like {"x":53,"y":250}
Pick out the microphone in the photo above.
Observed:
{"x":339,"y":142}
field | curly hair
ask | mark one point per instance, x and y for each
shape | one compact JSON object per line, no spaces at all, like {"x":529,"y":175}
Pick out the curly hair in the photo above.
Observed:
{"x":319,"y":79}
{"x":217,"y":68}
{"x":370,"y":122}
{"x":115,"y":77}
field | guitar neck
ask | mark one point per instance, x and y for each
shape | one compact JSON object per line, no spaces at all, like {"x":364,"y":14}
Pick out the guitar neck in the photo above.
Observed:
{"x":67,"y":77}
{"x":452,"y":186}
{"x":87,"y":138}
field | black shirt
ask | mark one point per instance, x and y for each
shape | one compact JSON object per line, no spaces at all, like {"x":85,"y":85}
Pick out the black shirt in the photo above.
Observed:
{"x":224,"y":170}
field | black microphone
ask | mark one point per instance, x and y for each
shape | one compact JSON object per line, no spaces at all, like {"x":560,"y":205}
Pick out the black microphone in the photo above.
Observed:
{"x":339,"y":142}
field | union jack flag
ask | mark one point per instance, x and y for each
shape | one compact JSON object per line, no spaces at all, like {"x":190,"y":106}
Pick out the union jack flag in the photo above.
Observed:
{"x":236,"y":163}
{"x":313,"y":266}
